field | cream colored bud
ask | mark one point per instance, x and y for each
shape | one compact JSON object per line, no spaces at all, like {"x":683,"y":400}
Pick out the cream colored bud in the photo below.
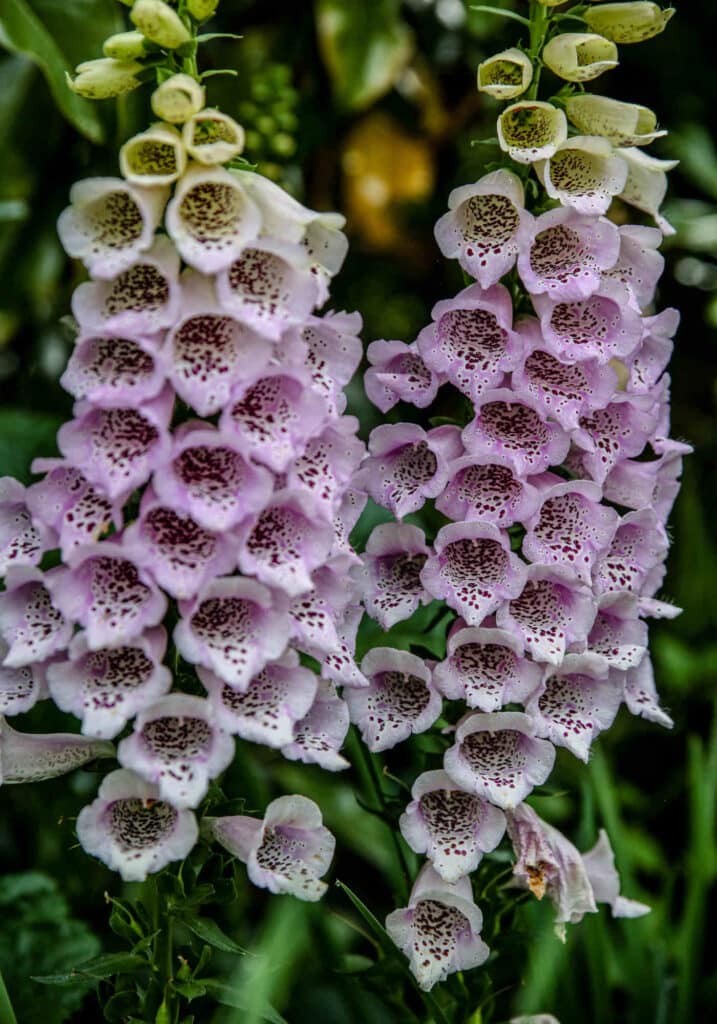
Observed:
{"x":104,"y":78}
{"x":506,"y":75}
{"x":178,"y":99}
{"x":531,"y":130}
{"x":628,"y":22}
{"x":624,"y":124}
{"x":211,"y":137}
{"x":200,"y":10}
{"x":124,"y":46}
{"x":154,"y":157}
{"x":646,"y":185}
{"x":160,"y":23}
{"x":580,"y":56}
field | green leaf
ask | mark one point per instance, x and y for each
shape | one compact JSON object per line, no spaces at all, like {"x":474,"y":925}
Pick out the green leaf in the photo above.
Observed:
{"x":208,"y":931}
{"x":99,"y":968}
{"x":228,"y":996}
{"x":364,"y":53}
{"x":21,"y":31}
{"x":190,"y":989}
{"x":24,"y":435}
{"x":369,"y":917}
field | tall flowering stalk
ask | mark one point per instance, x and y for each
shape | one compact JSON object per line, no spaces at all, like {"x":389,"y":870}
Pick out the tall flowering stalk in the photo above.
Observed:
{"x":551,"y":492}
{"x":198,"y":515}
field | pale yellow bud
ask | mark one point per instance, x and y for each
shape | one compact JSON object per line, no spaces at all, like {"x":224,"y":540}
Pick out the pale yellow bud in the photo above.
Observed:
{"x":178,"y":99}
{"x":160,"y":23}
{"x":211,"y":137}
{"x":154,"y":157}
{"x":624,"y":124}
{"x":124,"y":46}
{"x":104,"y":78}
{"x":200,"y":10}
{"x":505,"y":75}
{"x":628,"y":22}
{"x":580,"y":56}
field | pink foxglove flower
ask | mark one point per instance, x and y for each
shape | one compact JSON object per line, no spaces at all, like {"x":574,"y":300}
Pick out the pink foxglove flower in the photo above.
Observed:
{"x":22,"y":541}
{"x":20,"y":688}
{"x":391,"y":579}
{"x":486,"y":488}
{"x":398,"y":373}
{"x":65,"y":502}
{"x":487,"y":669}
{"x":439,"y":930}
{"x":566,"y":254}
{"x":34,"y":757}
{"x":114,"y":370}
{"x":132,"y":830}
{"x":320,"y":734}
{"x":512,"y":426}
{"x":286,"y":852}
{"x":32,"y":625}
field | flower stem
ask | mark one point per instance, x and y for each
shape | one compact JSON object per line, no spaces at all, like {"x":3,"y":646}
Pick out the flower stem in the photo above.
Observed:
{"x":7,"y":1014}
{"x":539,"y":24}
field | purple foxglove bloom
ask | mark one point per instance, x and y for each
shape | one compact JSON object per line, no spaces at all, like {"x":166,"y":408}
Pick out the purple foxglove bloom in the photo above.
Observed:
{"x":599,"y":864}
{"x":108,"y":592}
{"x":22,"y":540}
{"x":640,"y":264}
{"x":649,"y":361}
{"x":106,"y":687}
{"x":562,"y":391}
{"x":118,"y":449}
{"x":473,"y":570}
{"x":210,"y":476}
{"x":276,"y":414}
{"x":398,"y":374}
{"x":34,"y":757}
{"x":453,"y":828}
{"x":512,"y":426}
{"x":618,"y":635}
{"x":399,"y":701}
{"x":20,"y":688}
{"x":635,"y":560}
{"x":31,"y":624}
{"x":391,"y":577}
{"x":575,"y":703}
{"x":471,"y":341}
{"x":339,"y":665}
{"x":571,"y":527}
{"x":66,"y":503}
{"x":315,"y":614}
{"x":619,"y":431}
{"x":274,"y":701}
{"x":485,"y":488}
{"x":498,"y":757}
{"x":109,"y":223}
{"x":114,"y":371}
{"x":585,"y":172}
{"x":131,"y":830}
{"x":328,"y":464}
{"x":178,"y":746}
{"x":233,"y":627}
{"x":406,"y":465}
{"x":210,"y":352}
{"x":486,"y":669}
{"x":269,"y":286}
{"x":320,"y":734}
{"x":330,"y":348}
{"x":286,"y":542}
{"x":486,"y":226}
{"x":655,"y":484}
{"x":566,"y":254}
{"x":347,"y":515}
{"x":287,"y":852}
{"x":602,"y":327}
{"x":641,"y":697}
{"x":548,"y":864}
{"x":553,"y":611}
{"x":140,"y":301}
{"x":178,"y":553}
{"x":439,"y":930}
{"x":211,"y":218}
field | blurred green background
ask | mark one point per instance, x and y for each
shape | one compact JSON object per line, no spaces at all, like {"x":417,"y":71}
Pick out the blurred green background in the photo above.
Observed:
{"x":369,"y":106}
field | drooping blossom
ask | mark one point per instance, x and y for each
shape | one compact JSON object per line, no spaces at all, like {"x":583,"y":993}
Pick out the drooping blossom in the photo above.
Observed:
{"x":391,"y":581}
{"x":487,"y":669}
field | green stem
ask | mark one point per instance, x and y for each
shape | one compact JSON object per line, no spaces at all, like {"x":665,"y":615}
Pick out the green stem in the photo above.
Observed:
{"x":539,"y":24}
{"x":7,"y":1014}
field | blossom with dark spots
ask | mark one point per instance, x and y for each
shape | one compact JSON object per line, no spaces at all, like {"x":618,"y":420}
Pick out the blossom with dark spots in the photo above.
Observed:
{"x":34,"y":757}
{"x":486,"y":488}
{"x":398,"y":373}
{"x":320,"y":734}
{"x":67,"y":504}
{"x":512,"y":426}
{"x":390,"y":581}
{"x":601,"y":327}
{"x":23,"y":540}
{"x":114,"y":371}
{"x":32,"y":624}
{"x":487,"y":669}
{"x":330,"y":348}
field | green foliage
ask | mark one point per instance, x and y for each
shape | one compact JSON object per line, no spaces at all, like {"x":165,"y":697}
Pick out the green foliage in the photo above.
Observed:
{"x":40,"y":936}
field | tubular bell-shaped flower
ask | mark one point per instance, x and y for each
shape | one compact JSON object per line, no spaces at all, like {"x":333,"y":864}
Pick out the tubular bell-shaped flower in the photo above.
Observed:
{"x":580,"y":56}
{"x":505,"y":75}
{"x":646,"y":185}
{"x":32,"y":625}
{"x":623,"y":124}
{"x":628,"y":22}
{"x":566,"y":254}
{"x":531,"y":130}
{"x":584,"y":173}
{"x":154,"y":157}
{"x":487,"y":669}
{"x":391,"y":585}
{"x":287,"y":852}
{"x":34,"y":757}
{"x":22,"y":541}
{"x":510,"y":426}
{"x":211,"y":137}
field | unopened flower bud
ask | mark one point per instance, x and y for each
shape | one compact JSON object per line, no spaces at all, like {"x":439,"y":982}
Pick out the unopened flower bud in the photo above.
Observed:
{"x":154,"y":157}
{"x":177,"y":99}
{"x":160,"y":23}
{"x":200,"y":10}
{"x":624,"y":124}
{"x":628,"y":22}
{"x":212,"y":137}
{"x":124,"y":46}
{"x":506,"y":75}
{"x":104,"y":78}
{"x":580,"y":56}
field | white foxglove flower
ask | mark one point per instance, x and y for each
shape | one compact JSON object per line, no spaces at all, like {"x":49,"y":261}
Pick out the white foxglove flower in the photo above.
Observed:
{"x":624,"y":124}
{"x":580,"y":56}
{"x":505,"y":75}
{"x":531,"y":130}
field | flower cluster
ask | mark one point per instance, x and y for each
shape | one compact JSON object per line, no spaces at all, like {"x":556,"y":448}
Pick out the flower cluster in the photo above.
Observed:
{"x":203,"y":486}
{"x":554,"y":490}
